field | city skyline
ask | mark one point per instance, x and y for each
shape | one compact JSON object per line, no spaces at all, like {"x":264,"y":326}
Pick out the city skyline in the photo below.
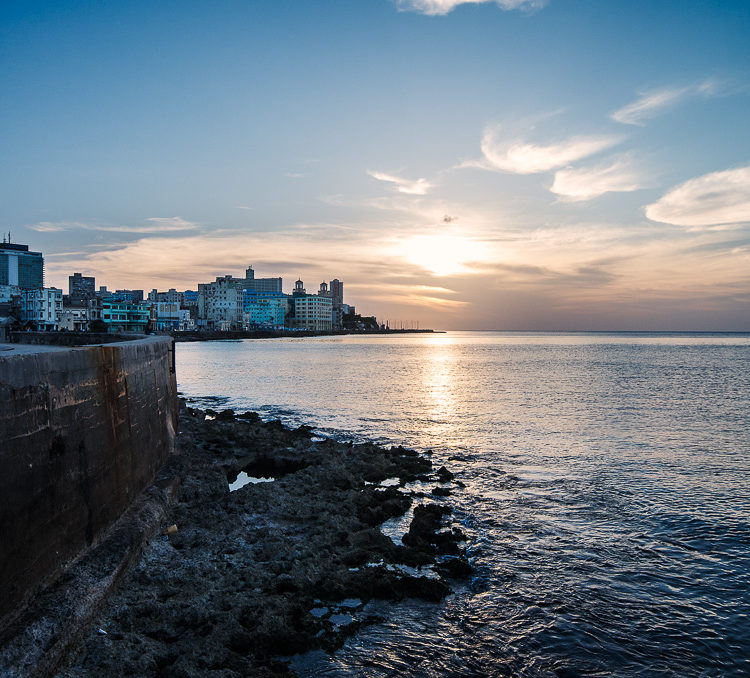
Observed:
{"x":497,"y":164}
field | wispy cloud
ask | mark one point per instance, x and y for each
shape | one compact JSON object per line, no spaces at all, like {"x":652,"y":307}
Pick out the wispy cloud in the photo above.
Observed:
{"x":156,"y":225}
{"x":709,"y":200}
{"x":408,"y":186}
{"x":442,"y":7}
{"x":171,"y":224}
{"x":55,"y":226}
{"x":587,"y":183}
{"x":653,"y":102}
{"x":522,"y":157}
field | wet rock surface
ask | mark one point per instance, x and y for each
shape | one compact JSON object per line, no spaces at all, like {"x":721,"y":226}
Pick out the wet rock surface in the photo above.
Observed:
{"x":274,"y":568}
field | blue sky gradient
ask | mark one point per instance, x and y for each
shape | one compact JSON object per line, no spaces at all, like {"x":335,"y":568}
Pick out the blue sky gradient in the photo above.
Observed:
{"x":573,"y":164}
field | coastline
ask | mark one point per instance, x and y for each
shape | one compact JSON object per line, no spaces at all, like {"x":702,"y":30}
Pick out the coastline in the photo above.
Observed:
{"x":284,"y":564}
{"x":223,"y":335}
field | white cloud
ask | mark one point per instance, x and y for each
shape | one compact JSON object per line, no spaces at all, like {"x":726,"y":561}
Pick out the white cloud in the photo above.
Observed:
{"x":418,"y":187}
{"x":709,"y":200}
{"x":521,"y":157}
{"x":442,"y":7}
{"x":653,"y":102}
{"x":586,"y":183}
{"x":171,"y":224}
{"x":158,"y":225}
{"x":55,"y":226}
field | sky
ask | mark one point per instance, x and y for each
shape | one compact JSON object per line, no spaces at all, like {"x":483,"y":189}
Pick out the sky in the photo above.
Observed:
{"x":496,"y":164}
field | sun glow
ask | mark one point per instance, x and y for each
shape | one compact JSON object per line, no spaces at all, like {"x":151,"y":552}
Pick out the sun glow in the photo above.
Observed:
{"x":442,"y":254}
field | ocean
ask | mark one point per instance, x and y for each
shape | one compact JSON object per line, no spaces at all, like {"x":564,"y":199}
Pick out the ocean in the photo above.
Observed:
{"x":606,"y":498}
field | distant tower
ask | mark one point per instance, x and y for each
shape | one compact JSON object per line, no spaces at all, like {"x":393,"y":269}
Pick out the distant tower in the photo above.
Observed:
{"x":323,"y":291}
{"x":249,"y":273}
{"x":299,"y":289}
{"x":337,"y":291}
{"x":337,"y":301}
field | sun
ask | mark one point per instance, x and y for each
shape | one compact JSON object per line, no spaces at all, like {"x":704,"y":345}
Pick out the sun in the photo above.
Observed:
{"x":441,"y":254}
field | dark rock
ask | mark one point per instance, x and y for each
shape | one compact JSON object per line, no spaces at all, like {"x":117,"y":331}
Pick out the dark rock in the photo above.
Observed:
{"x":232,"y":590}
{"x":444,"y":475}
{"x":457,"y":567}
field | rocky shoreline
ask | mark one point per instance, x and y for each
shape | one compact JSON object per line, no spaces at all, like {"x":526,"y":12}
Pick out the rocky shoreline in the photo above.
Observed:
{"x":238,"y":580}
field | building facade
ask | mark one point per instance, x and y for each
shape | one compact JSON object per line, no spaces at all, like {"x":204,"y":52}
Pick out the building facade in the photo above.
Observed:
{"x":264,"y":311}
{"x":81,"y":288}
{"x":220,"y":303}
{"x":20,"y":268}
{"x":42,"y":307}
{"x":312,"y":311}
{"x":167,"y":316}
{"x":122,"y":315}
{"x":262,"y":285}
{"x":74,"y":318}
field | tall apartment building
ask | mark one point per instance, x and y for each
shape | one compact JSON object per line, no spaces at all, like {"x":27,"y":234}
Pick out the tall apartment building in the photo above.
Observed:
{"x":81,"y":288}
{"x":20,"y":268}
{"x":220,"y":303}
{"x":337,"y":302}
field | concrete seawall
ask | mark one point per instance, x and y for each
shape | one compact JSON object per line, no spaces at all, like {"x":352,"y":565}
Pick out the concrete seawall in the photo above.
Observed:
{"x":82,"y":432}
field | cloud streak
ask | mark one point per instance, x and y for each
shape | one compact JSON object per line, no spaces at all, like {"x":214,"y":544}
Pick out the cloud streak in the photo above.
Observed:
{"x":521,"y":157}
{"x":156,"y":225}
{"x":654,"y":102}
{"x":442,"y":7}
{"x":587,"y":183}
{"x":713,"y":199}
{"x":407,"y":186}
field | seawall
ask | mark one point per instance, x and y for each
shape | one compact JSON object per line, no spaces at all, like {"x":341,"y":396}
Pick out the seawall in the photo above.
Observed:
{"x":83,"y":431}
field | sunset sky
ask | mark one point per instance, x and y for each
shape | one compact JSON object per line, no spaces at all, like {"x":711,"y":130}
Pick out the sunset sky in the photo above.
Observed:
{"x":497,"y":164}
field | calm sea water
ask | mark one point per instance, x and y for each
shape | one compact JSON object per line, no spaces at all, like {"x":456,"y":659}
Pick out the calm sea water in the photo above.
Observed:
{"x":607,"y":490}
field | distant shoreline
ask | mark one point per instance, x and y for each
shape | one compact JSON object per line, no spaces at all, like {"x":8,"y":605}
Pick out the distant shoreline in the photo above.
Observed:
{"x":197,"y":335}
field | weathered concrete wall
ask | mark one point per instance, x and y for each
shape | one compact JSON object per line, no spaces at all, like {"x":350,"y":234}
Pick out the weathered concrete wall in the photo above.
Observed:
{"x":71,"y":338}
{"x":82,"y":433}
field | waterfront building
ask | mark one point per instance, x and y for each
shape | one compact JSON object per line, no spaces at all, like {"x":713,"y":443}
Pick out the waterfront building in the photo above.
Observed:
{"x":20,"y":268}
{"x":42,"y":307}
{"x":312,"y":311}
{"x":122,"y":315}
{"x":220,"y":303}
{"x":168,"y":316}
{"x":74,"y":318}
{"x":263,"y":310}
{"x":81,"y":288}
